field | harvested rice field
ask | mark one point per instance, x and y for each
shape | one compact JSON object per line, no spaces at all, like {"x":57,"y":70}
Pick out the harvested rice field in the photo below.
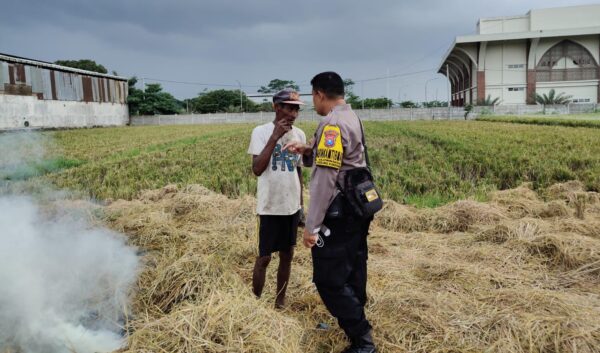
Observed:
{"x":424,"y":164}
{"x":515,"y":274}
{"x":489,"y":240}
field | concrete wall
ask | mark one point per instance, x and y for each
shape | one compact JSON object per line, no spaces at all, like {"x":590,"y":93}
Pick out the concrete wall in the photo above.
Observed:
{"x":523,"y":109}
{"x":576,"y":89}
{"x":493,"y":64}
{"x":504,"y":81}
{"x":510,"y":84}
{"x":565,"y":17}
{"x":504,"y":25}
{"x":543,"y":19}
{"x":16,"y":110}
{"x":366,"y":114}
{"x":514,"y":53}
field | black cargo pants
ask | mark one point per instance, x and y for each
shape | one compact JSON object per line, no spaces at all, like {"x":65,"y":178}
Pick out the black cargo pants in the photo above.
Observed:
{"x":340,"y":272}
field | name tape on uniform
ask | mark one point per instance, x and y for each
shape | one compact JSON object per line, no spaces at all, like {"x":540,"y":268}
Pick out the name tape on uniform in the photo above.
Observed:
{"x":330,"y":151}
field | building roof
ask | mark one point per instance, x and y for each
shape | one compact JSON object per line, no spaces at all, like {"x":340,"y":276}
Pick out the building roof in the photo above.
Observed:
{"x":47,"y":65}
{"x":529,"y":34}
{"x":477,"y":38}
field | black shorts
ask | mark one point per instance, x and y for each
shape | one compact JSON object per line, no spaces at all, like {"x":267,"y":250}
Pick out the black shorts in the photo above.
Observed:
{"x":277,"y":233}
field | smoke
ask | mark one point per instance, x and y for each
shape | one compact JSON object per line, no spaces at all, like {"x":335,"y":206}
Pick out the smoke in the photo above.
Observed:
{"x":21,"y":154}
{"x":64,"y":282}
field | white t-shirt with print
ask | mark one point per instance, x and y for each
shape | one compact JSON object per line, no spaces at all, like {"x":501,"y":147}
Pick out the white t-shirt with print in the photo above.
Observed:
{"x":278,"y":189}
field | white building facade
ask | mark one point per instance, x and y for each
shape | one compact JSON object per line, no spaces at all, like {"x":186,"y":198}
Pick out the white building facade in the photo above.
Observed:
{"x":513,"y":58}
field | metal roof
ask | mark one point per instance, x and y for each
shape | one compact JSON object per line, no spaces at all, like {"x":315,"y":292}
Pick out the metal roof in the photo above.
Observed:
{"x":47,"y":65}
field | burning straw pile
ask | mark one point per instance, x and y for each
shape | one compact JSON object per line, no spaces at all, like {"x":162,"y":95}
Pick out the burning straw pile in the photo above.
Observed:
{"x":520,"y":273}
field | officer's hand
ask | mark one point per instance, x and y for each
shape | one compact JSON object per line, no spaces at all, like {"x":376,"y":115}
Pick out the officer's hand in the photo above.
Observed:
{"x":296,"y":147}
{"x":281,"y":127}
{"x":309,"y":239}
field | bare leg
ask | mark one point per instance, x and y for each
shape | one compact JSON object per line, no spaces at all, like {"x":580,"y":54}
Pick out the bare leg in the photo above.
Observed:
{"x":260,"y":272}
{"x":283,"y":275}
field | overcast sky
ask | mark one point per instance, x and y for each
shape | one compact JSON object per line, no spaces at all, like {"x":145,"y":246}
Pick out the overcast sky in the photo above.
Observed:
{"x":221,"y":41}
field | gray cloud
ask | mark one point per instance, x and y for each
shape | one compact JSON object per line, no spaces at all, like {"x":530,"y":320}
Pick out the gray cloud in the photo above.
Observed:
{"x":252,"y":41}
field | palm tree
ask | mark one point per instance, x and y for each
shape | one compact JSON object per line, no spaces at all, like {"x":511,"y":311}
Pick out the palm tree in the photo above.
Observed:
{"x":552,"y":99}
{"x":488,"y":101}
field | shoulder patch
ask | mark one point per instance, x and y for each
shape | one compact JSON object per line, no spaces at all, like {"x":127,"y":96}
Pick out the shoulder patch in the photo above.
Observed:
{"x":330,"y":151}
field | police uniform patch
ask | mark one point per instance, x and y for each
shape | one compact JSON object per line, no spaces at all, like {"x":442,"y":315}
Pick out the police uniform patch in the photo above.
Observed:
{"x":330,"y":137}
{"x":330,"y":151}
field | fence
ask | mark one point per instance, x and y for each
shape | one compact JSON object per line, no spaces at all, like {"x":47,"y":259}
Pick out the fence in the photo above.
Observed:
{"x":305,"y":115}
{"x":523,"y":109}
{"x":454,"y":113}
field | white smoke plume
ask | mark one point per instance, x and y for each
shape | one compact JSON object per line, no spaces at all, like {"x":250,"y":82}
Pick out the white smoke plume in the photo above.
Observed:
{"x":64,"y":282}
{"x":21,"y":152}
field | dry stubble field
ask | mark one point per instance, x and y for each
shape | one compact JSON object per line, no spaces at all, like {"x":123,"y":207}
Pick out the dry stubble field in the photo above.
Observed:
{"x":486,"y":243}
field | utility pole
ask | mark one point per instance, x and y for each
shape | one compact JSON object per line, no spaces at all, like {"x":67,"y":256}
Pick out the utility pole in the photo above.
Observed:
{"x":362,"y":94}
{"x":426,"y":82}
{"x":143,"y":89}
{"x":241,"y":97}
{"x":388,"y":86}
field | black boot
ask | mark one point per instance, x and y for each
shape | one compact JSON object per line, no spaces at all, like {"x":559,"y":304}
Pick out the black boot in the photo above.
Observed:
{"x":362,"y":344}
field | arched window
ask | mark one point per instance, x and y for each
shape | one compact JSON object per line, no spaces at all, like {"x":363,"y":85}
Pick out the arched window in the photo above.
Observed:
{"x":567,"y":61}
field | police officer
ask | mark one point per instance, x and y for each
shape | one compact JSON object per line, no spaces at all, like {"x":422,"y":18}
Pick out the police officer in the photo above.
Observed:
{"x":339,"y":245}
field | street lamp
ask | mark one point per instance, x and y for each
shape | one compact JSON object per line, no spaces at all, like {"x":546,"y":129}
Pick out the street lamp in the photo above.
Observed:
{"x":426,"y":82}
{"x":362,"y":94}
{"x":241,"y":99}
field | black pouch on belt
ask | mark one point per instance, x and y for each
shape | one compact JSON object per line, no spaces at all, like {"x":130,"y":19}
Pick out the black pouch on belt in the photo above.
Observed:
{"x":361,"y":193}
{"x":359,"y":187}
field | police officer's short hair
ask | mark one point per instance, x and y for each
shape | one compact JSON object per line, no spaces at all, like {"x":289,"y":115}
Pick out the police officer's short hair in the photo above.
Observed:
{"x":329,"y":83}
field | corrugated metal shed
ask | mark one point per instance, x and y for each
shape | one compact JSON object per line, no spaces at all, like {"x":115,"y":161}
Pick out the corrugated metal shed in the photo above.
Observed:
{"x":20,"y":76}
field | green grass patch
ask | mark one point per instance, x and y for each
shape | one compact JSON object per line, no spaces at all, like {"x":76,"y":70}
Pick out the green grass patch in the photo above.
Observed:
{"x":590,"y":122}
{"x":36,"y":169}
{"x":426,"y":164}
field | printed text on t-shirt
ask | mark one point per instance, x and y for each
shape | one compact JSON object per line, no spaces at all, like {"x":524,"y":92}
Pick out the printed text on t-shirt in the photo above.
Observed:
{"x":284,"y":158}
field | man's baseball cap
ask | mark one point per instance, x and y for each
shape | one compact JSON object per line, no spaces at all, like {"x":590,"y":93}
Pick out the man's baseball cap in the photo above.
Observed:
{"x":288,"y":96}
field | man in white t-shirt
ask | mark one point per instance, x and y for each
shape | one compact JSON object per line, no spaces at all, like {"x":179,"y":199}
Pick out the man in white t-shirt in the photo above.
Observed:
{"x":279,"y":191}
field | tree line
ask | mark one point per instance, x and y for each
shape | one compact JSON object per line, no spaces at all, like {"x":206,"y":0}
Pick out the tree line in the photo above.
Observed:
{"x":153,"y":100}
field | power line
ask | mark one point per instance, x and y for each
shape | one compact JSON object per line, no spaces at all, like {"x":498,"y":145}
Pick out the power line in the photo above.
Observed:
{"x":443,"y":45}
{"x":198,"y":83}
{"x":402,"y":74}
{"x":301,"y":83}
{"x":395,"y":75}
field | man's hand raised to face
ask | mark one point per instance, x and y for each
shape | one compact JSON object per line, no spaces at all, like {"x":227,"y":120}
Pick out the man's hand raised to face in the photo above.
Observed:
{"x":282,"y":126}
